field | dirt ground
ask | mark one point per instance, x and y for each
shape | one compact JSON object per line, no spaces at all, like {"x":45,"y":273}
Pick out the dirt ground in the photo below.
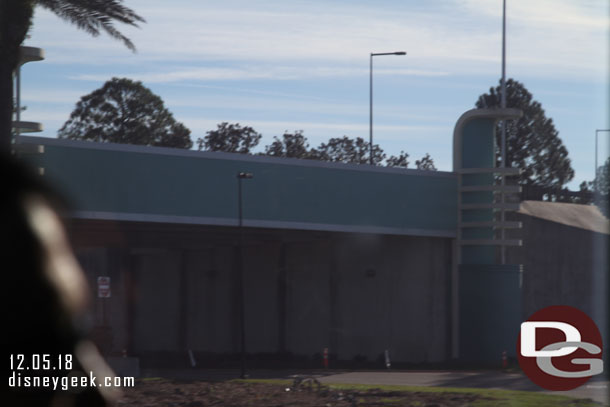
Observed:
{"x":307,"y":392}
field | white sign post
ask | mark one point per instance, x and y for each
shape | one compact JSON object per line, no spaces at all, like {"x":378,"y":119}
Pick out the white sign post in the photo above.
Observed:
{"x":103,"y":287}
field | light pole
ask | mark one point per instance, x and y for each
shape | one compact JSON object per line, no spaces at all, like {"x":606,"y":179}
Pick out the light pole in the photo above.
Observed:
{"x":240,"y":260}
{"x":503,"y":134}
{"x":371,"y":98}
{"x":595,"y":172}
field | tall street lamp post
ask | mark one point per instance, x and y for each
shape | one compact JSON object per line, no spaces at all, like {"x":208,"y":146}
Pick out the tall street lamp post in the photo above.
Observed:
{"x":503,"y":134}
{"x":371,"y":98}
{"x":595,"y":172}
{"x":240,"y":260}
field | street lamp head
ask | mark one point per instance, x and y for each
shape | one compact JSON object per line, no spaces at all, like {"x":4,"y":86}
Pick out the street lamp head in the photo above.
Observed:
{"x":375,"y":54}
{"x":245,"y":175}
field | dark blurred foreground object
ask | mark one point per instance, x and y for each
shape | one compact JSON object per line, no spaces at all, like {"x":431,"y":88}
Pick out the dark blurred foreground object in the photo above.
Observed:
{"x":46,"y":295}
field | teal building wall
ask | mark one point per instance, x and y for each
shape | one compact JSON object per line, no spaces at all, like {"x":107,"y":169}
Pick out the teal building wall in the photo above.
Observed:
{"x":124,"y":182}
{"x":174,"y":186}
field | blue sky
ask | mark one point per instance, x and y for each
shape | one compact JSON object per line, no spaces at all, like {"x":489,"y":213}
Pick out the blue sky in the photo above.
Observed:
{"x":304,"y":65}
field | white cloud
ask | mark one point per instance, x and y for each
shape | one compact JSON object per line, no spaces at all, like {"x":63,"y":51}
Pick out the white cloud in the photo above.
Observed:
{"x":315,"y":130}
{"x":50,"y":96}
{"x":323,"y":39}
{"x":256,"y":72}
{"x":274,"y":106}
{"x":561,"y":15}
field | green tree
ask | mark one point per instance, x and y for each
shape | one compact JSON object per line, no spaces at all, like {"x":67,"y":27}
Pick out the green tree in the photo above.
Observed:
{"x":292,"y":145}
{"x":230,"y":138}
{"x":425,"y":163}
{"x":347,"y":150}
{"x":93,"y":16}
{"x":602,"y":180}
{"x":401,"y":160}
{"x":533,"y":143}
{"x":124,"y":111}
{"x":600,"y":187}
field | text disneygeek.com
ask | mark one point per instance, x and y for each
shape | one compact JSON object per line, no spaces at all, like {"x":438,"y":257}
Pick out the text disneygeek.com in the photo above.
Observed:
{"x":32,"y":371}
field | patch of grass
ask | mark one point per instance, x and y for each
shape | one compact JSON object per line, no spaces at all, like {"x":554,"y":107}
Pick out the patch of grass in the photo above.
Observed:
{"x":488,"y":397}
{"x":388,"y":401}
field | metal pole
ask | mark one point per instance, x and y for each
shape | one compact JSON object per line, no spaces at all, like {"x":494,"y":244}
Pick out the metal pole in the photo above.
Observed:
{"x":503,"y":141}
{"x":503,"y":100}
{"x":371,"y":111}
{"x":595,"y":172}
{"x":242,"y":307}
{"x":240,"y":260}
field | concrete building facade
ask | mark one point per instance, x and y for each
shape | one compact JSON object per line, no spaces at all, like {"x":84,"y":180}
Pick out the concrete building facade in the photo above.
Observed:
{"x":356,"y":259}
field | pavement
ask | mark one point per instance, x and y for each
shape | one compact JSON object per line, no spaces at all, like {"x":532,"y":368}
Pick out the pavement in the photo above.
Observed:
{"x":596,"y":389}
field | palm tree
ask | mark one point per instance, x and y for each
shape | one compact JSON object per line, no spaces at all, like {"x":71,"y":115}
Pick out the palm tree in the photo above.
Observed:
{"x":93,"y":16}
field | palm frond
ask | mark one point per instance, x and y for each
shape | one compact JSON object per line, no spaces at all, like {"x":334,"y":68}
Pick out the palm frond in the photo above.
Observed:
{"x":94,"y":16}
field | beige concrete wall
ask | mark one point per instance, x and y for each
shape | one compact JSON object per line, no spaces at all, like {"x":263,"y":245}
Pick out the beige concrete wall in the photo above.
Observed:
{"x":174,"y":288}
{"x":354,"y":294}
{"x":562,"y":265}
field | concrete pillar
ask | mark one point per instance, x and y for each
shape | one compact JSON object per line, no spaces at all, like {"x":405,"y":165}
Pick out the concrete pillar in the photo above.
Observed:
{"x":489,"y":294}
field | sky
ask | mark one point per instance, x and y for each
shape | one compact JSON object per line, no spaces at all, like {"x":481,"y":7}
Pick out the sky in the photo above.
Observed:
{"x":304,"y":65}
